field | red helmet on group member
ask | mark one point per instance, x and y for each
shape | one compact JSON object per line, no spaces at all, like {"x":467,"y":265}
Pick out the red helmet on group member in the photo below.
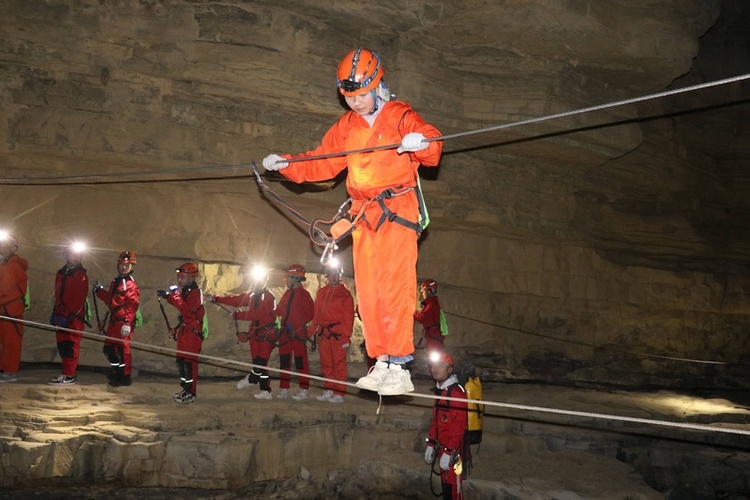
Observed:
{"x":359,"y":71}
{"x":428,"y":285}
{"x":188,"y":269}
{"x":441,"y":357}
{"x":296,"y":270}
{"x":128,"y":257}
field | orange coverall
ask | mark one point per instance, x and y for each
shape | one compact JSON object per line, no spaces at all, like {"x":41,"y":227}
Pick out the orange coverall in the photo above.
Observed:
{"x":13,"y":282}
{"x":333,"y":324}
{"x":385,"y":258}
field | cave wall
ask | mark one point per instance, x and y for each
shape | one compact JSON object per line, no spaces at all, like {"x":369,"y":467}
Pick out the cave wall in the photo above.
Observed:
{"x":565,"y":249}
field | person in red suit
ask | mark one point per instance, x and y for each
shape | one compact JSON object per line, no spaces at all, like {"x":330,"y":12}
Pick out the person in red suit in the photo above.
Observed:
{"x":331,"y":328}
{"x":69,"y":312}
{"x":386,"y":207}
{"x":13,"y":283}
{"x":122,"y":298}
{"x":258,"y":307}
{"x":429,"y":316}
{"x":295,"y":311}
{"x":190,"y":331}
{"x":445,"y":443}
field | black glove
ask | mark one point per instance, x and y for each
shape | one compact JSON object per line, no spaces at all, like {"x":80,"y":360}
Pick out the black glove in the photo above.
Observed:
{"x":162,"y":294}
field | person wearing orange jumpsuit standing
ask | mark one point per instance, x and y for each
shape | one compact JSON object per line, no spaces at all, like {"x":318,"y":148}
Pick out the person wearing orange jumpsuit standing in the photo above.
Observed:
{"x":445,"y":444}
{"x":13,"y":283}
{"x":295,"y":311}
{"x":189,"y":333}
{"x":429,"y":316}
{"x":260,"y":306}
{"x":69,"y":312}
{"x":122,"y":298}
{"x":331,"y":329}
{"x":385,"y":208}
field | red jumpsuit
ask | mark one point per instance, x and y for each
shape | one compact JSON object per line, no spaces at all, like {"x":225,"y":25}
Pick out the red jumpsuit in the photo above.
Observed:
{"x":262,"y":332}
{"x":122,"y":298}
{"x":13,"y":281}
{"x":189,"y":333}
{"x":448,"y":428}
{"x":71,"y":289}
{"x":333,"y":323}
{"x":429,"y":318}
{"x":295,"y":311}
{"x":384,"y":251}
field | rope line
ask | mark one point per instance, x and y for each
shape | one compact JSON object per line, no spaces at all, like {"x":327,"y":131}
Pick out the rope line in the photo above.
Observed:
{"x":226,"y":361}
{"x":658,"y":95}
{"x":594,"y":346}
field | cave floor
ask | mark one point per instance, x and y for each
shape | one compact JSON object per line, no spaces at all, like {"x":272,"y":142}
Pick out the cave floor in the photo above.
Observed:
{"x":523,"y":451}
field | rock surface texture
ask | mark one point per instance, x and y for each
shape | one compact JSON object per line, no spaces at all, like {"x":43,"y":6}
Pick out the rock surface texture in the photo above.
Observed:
{"x":607,"y":248}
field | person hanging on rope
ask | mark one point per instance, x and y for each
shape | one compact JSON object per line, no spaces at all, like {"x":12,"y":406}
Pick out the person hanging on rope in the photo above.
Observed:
{"x":262,"y":334}
{"x":331,"y":330}
{"x":191,"y":329}
{"x":70,"y":311}
{"x":445,"y":444}
{"x":122,"y":298}
{"x":387,"y":208}
{"x":295,"y":311}
{"x":429,"y":316}
{"x":13,"y":302}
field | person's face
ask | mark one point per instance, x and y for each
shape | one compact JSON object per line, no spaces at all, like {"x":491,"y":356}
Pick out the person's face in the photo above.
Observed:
{"x":333,"y":279}
{"x":290,"y":281}
{"x":440,"y":371}
{"x":183,"y":280}
{"x":124,"y":267}
{"x":362,"y":104}
{"x":72,"y":258}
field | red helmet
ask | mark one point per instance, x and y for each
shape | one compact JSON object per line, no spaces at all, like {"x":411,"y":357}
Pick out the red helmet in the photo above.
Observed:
{"x":296,"y":270}
{"x":188,"y":269}
{"x":360,"y":70}
{"x":441,"y":357}
{"x":428,"y":285}
{"x":128,"y":257}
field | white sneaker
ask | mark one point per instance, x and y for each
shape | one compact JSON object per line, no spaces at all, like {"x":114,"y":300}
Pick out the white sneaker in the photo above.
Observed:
{"x":326,"y":396}
{"x":244,"y":383}
{"x":336,"y":399}
{"x":301,"y":395}
{"x":8,"y":377}
{"x":371,"y":381}
{"x":283,"y":394}
{"x":397,"y":381}
{"x":187,"y":398}
{"x":263,"y":395}
{"x":62,"y":380}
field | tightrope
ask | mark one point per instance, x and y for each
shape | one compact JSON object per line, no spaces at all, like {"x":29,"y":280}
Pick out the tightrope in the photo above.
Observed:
{"x":225,"y":362}
{"x":658,"y":95}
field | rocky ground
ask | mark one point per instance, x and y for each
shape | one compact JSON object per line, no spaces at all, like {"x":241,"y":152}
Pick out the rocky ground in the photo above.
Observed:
{"x":92,"y":440}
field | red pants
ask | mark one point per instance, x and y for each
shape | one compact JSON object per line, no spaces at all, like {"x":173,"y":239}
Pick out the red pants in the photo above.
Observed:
{"x":261,"y":347}
{"x":333,"y":362}
{"x":291,"y":346}
{"x":69,"y":347}
{"x":11,"y":339}
{"x":118,"y":353}
{"x":188,"y":342}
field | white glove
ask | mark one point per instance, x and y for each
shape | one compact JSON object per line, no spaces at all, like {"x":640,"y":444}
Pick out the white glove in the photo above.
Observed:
{"x":345,"y":346}
{"x":125,"y":331}
{"x":429,"y":454}
{"x":274,"y":162}
{"x":413,"y":141}
{"x":445,"y":461}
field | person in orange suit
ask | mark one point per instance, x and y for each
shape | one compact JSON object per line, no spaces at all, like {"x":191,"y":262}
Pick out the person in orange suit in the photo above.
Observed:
{"x":331,"y":329}
{"x":429,"y":316}
{"x":13,"y":282}
{"x":69,"y":312}
{"x":189,"y":333}
{"x":295,"y":311}
{"x":385,"y":209}
{"x":122,"y":298}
